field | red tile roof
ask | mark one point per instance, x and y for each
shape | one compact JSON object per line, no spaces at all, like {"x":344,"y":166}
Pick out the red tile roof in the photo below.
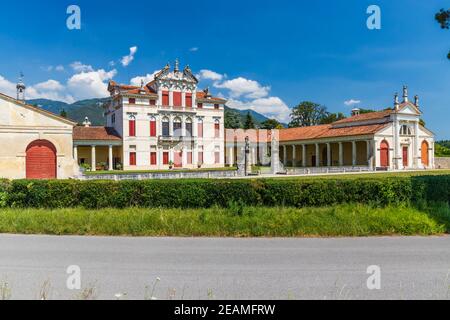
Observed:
{"x":202,"y":95}
{"x":95,"y":133}
{"x":366,"y":117}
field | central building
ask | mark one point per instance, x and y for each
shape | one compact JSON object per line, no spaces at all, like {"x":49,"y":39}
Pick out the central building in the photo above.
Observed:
{"x":165,"y":123}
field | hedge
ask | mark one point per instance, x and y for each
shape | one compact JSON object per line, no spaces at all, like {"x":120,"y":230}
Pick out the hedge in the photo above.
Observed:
{"x":223,"y":193}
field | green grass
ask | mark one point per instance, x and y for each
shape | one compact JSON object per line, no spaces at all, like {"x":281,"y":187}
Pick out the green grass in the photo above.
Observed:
{"x":342,"y":220}
{"x":92,"y":173}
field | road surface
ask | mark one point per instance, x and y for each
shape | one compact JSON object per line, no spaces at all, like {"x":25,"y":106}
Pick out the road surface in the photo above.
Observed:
{"x":205,"y":268}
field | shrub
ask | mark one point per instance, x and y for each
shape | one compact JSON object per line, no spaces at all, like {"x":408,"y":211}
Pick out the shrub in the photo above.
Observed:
{"x":221,"y":193}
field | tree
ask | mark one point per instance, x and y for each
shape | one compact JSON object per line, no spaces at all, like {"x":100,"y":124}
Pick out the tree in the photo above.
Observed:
{"x":422,"y":122}
{"x":364,"y":111}
{"x":63,"y":113}
{"x":249,"y":122}
{"x":307,"y":114}
{"x":232,"y":120}
{"x":443,"y":18}
{"x":332,"y":117}
{"x":271,"y":124}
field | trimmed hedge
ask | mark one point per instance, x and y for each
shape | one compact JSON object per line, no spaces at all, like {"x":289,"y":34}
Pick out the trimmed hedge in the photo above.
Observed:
{"x":223,"y":193}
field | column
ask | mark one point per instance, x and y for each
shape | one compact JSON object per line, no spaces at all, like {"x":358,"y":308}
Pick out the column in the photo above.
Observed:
{"x":328,"y":155}
{"x":111,"y":162}
{"x":418,"y":155}
{"x":294,"y":150}
{"x":285,"y":155}
{"x":160,"y":95}
{"x":375,"y":154}
{"x":354,"y":153}
{"x":397,"y":146}
{"x":368,"y":152}
{"x":183,"y":98}
{"x":75,"y":153}
{"x":341,"y":154}
{"x":254,"y":160}
{"x":93,"y":160}
{"x":171,"y":97}
{"x":194,"y":100}
{"x":183,"y":126}
{"x":171,"y":125}
{"x":231,"y":156}
{"x":304,"y":163}
{"x":317,"y":155}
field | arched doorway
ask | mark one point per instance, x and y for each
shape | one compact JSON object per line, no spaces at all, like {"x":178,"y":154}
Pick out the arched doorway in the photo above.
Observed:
{"x":384,"y":154}
{"x":41,"y":160}
{"x":425,"y":154}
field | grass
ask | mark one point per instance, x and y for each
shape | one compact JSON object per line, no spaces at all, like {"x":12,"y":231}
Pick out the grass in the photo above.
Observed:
{"x":342,"y":220}
{"x":93,"y":173}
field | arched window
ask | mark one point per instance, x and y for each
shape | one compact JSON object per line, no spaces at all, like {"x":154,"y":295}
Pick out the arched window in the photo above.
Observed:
{"x":217,"y":128}
{"x":384,"y":154}
{"x":153,"y":127}
{"x":200,"y":128}
{"x":425,"y":153}
{"x":189,"y":127}
{"x":177,"y":127}
{"x":165,"y":127}
{"x":132,"y":126}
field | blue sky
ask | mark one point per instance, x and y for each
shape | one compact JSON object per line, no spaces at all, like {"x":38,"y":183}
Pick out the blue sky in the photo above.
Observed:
{"x":264,"y":55}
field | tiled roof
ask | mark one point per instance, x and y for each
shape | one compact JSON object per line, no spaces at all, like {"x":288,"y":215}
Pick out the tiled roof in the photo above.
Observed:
{"x":132,"y":89}
{"x":328,"y":131}
{"x":202,"y":95}
{"x":95,"y":133}
{"x":366,"y":117}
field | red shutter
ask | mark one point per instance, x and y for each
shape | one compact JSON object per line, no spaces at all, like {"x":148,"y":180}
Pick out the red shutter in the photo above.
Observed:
{"x":189,"y":100}
{"x":132,"y":158}
{"x":132,"y":101}
{"x":200,"y":130}
{"x":217,"y":130}
{"x":189,"y":158}
{"x":165,"y":98}
{"x":177,"y":99}
{"x":152,"y":128}
{"x":165,"y":158}
{"x":132,"y":124}
{"x":153,"y":161}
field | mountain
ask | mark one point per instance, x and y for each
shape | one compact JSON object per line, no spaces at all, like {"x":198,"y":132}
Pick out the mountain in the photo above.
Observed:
{"x":93,"y":109}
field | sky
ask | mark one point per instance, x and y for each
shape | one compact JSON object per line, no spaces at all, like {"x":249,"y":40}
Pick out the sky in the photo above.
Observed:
{"x":262,"y":55}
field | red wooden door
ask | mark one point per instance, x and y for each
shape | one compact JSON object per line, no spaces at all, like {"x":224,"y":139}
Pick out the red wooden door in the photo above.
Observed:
{"x":178,"y":159}
{"x":41,"y":160}
{"x":153,"y":160}
{"x":405,"y":156}
{"x":132,"y":158}
{"x":384,"y":154}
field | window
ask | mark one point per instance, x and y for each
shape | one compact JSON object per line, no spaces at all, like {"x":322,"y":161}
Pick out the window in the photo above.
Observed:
{"x":165,"y":158}
{"x":189,"y":157}
{"x":132,"y":127}
{"x":165,"y":98}
{"x":405,"y":130}
{"x":153,"y":161}
{"x":131,"y":101}
{"x":216,"y":106}
{"x":113,"y":118}
{"x":165,"y":127}
{"x":200,"y":105}
{"x":188,"y":100}
{"x":177,"y":127}
{"x":217,"y":129}
{"x":132,"y":158}
{"x":217,"y":155}
{"x":200,"y":158}
{"x":177,"y":99}
{"x":188,"y":128}
{"x":152,"y":102}
{"x":200,"y":128}
{"x":153,"y":127}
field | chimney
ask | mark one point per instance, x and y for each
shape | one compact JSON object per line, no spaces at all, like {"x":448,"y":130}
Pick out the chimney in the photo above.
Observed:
{"x":86,"y":122}
{"x":356,"y":112}
{"x":405,"y":94}
{"x":416,"y":101}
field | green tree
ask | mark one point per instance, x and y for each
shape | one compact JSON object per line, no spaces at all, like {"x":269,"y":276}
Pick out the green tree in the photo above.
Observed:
{"x":332,"y":117}
{"x":364,"y":111}
{"x":443,"y":18}
{"x":63,"y":113}
{"x":422,"y":122}
{"x":307,"y":114}
{"x":249,"y":122}
{"x":271,"y":124}
{"x":232,"y":120}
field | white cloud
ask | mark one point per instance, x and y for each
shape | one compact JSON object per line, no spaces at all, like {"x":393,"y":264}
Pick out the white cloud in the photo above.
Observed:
{"x":194,"y":49}
{"x":126,"y":60}
{"x":59,"y":68}
{"x":77,"y":66}
{"x":7,"y":87}
{"x":271,"y":107}
{"x":92,"y":84}
{"x":352,"y":102}
{"x":244,"y":87}
{"x":50,"y":89}
{"x":136,"y":81}
{"x":209,"y":75}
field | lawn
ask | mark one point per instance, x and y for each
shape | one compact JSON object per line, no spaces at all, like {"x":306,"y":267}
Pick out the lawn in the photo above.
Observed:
{"x":238,"y":221}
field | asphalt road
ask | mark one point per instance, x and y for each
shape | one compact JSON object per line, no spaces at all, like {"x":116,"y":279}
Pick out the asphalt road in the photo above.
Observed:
{"x":203,"y":268}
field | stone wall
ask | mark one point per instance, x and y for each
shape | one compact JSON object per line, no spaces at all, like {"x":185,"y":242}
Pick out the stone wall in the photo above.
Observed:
{"x":442,"y":163}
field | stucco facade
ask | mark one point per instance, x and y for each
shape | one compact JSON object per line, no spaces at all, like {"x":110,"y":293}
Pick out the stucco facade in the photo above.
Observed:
{"x":20,"y":126}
